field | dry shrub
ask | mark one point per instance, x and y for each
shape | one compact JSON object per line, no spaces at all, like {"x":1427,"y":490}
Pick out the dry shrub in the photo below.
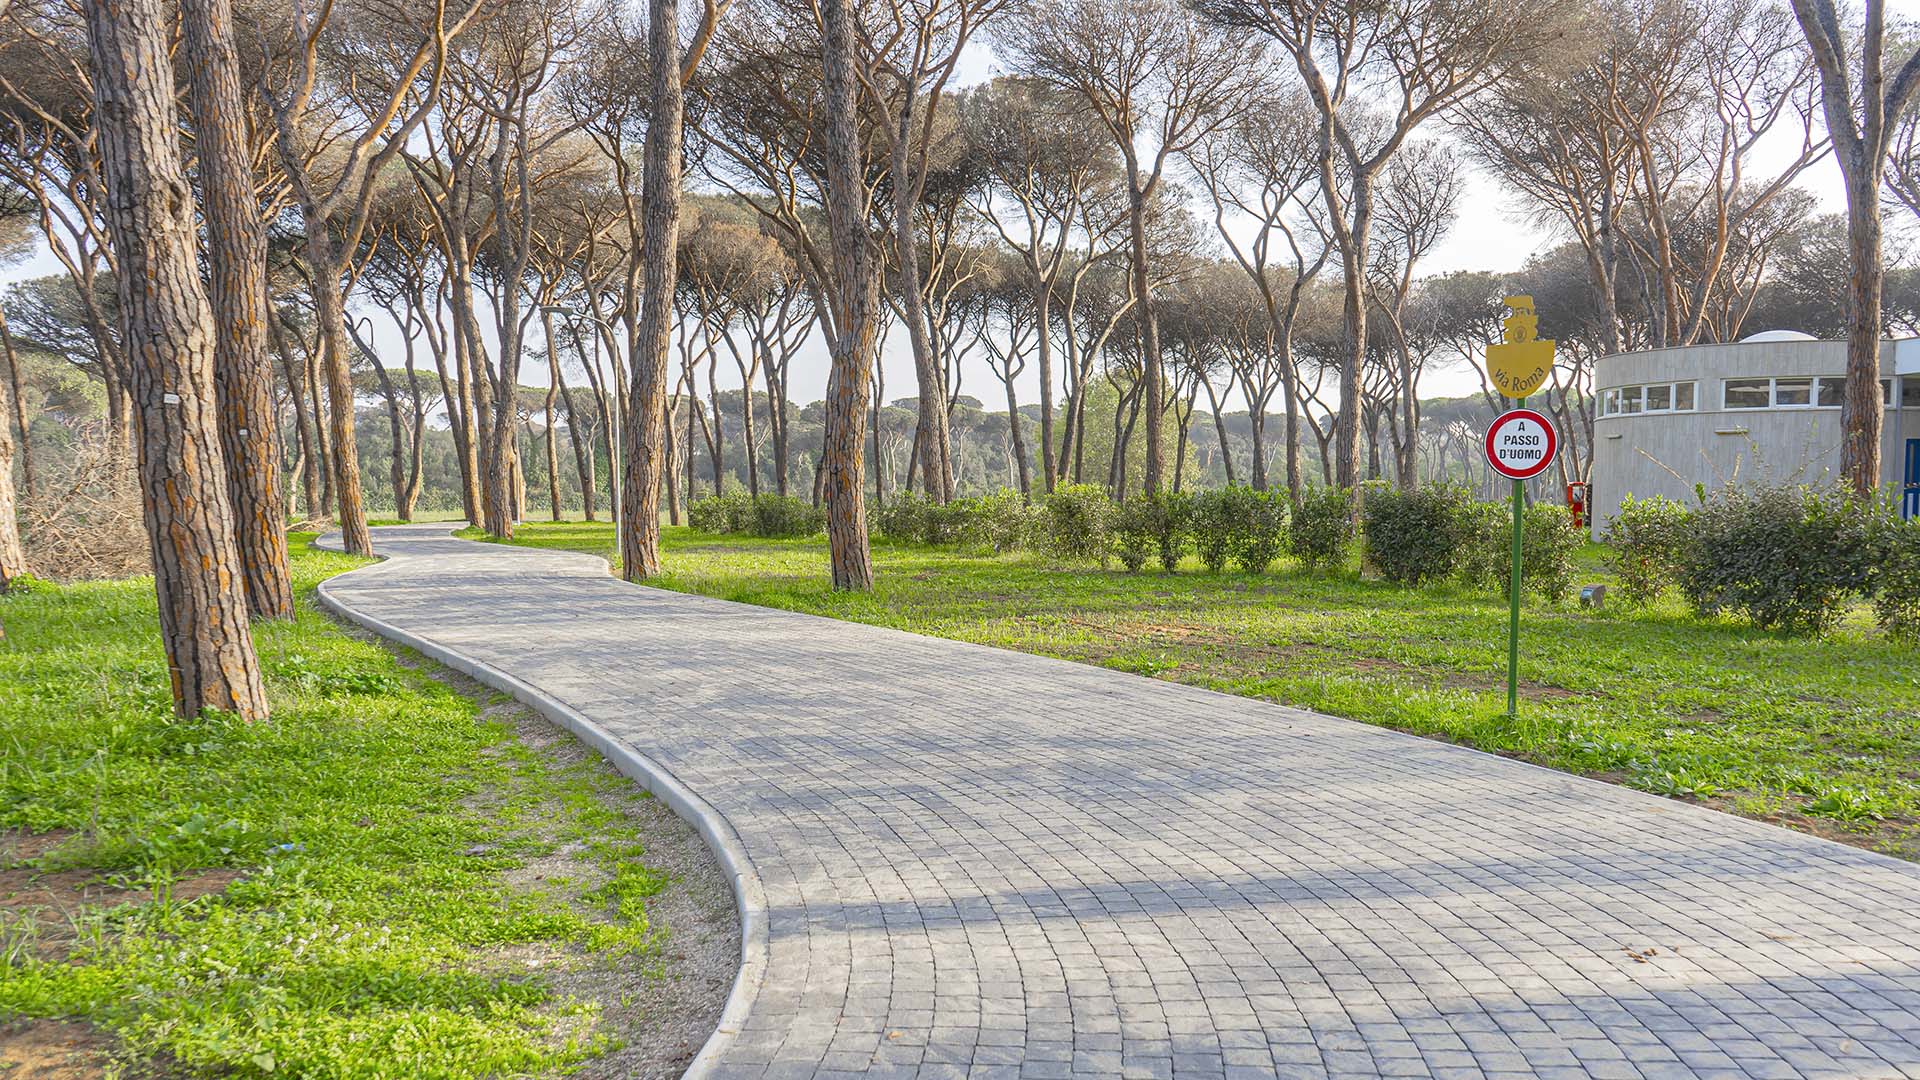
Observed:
{"x":83,"y":521}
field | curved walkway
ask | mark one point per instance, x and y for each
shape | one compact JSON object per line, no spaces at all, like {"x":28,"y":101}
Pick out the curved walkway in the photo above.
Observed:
{"x":982,"y":863}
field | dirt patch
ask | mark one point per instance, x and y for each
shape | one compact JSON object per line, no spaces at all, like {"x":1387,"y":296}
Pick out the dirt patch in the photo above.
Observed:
{"x":18,"y":845}
{"x":53,"y":1050}
{"x":22,"y":888}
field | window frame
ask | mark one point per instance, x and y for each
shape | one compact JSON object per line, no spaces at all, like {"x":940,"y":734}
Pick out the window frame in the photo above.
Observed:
{"x":1613,"y":399}
{"x":1727,"y":387}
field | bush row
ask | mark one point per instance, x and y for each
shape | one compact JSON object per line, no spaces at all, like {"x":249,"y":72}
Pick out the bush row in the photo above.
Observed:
{"x":1409,"y":537}
{"x":771,"y":516}
{"x":1791,"y":558}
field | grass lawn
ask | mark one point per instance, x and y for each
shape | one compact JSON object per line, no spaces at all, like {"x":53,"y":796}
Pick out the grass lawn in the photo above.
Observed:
{"x":390,"y":878}
{"x":1822,"y":735}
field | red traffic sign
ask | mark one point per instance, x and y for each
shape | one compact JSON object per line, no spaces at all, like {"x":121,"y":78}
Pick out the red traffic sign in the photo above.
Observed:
{"x":1521,"y":444}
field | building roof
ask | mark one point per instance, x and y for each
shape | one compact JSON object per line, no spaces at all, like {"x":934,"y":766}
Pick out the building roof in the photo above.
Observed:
{"x":1778,"y":335}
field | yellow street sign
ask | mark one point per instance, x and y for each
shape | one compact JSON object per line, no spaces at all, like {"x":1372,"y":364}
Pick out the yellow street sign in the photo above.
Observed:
{"x":1519,"y":365}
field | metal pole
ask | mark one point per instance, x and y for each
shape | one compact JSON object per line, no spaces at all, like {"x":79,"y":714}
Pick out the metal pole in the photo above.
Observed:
{"x":1513,"y":590}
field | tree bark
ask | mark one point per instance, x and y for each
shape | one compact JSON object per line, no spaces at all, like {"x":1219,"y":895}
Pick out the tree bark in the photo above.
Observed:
{"x":1149,"y":326}
{"x":416,"y":437}
{"x":932,"y":439}
{"x":853,"y":339}
{"x":646,"y":419}
{"x":330,"y":307}
{"x":1043,"y":315}
{"x":237,"y":254}
{"x":1862,"y":416}
{"x":297,"y":391}
{"x":13,"y":554}
{"x":1018,"y":439}
{"x":19,"y":407}
{"x":396,"y":427}
{"x":1220,"y":429}
{"x":168,"y":334}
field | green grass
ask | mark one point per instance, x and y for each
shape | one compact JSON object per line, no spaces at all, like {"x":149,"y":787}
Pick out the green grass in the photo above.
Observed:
{"x":369,"y":833}
{"x":1822,"y":735}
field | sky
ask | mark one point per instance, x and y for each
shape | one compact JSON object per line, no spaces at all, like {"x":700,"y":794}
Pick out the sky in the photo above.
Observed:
{"x":1491,"y":233}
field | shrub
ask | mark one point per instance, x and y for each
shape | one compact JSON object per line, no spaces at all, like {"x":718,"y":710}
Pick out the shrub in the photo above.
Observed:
{"x":1649,"y":542}
{"x":1413,"y":536}
{"x":1785,"y":557}
{"x":1486,"y":544}
{"x":1076,"y":522}
{"x":1004,"y":521}
{"x":903,"y":517}
{"x":1546,"y":558}
{"x":949,"y":523}
{"x":771,"y":516}
{"x":1259,"y":527}
{"x":1135,"y":529}
{"x":1173,"y":518}
{"x":781,"y":516}
{"x":728,"y":513}
{"x":1322,"y":527}
{"x":1896,"y":575}
{"x":1211,"y":523}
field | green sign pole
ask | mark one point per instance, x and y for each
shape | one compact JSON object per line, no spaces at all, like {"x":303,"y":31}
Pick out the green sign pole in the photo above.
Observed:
{"x":1513,"y":591}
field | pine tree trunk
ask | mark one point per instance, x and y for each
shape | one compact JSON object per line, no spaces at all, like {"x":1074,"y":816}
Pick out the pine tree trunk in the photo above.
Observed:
{"x":932,"y":440}
{"x":1150,"y":364}
{"x":329,"y":306}
{"x":1042,"y":307}
{"x":582,"y":461}
{"x":237,"y":254}
{"x":168,"y":334}
{"x":1862,"y":417}
{"x":1019,"y":439}
{"x":19,"y":407}
{"x":853,"y":342}
{"x":13,"y":555}
{"x":416,"y":436}
{"x":296,"y":390}
{"x":646,"y":419}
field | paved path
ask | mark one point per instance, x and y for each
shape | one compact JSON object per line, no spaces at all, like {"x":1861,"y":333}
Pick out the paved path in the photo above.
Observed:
{"x":981,"y":863}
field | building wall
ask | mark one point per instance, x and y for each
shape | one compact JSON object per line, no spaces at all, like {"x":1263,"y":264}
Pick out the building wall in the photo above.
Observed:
{"x":1668,"y":453}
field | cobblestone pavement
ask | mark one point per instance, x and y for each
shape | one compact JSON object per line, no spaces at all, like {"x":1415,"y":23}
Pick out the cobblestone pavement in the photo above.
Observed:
{"x":986,"y":864}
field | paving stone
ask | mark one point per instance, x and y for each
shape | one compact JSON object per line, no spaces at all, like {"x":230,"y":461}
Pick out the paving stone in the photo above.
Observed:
{"x":1020,"y":863}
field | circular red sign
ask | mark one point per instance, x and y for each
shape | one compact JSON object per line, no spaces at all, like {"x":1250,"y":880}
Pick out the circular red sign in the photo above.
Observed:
{"x":1521,"y":444}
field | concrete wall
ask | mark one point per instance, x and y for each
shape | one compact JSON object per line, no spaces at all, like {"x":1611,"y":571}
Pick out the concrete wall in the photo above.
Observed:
{"x":1668,"y":453}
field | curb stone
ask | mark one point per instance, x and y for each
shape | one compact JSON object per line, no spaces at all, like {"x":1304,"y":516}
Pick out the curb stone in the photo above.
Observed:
{"x":719,"y":835}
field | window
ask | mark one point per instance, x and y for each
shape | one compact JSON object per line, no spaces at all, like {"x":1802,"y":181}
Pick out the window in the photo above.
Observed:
{"x":1657,"y":397}
{"x":1790,"y":392}
{"x":1833,"y":391}
{"x":1910,"y":392}
{"x":1749,"y":393}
